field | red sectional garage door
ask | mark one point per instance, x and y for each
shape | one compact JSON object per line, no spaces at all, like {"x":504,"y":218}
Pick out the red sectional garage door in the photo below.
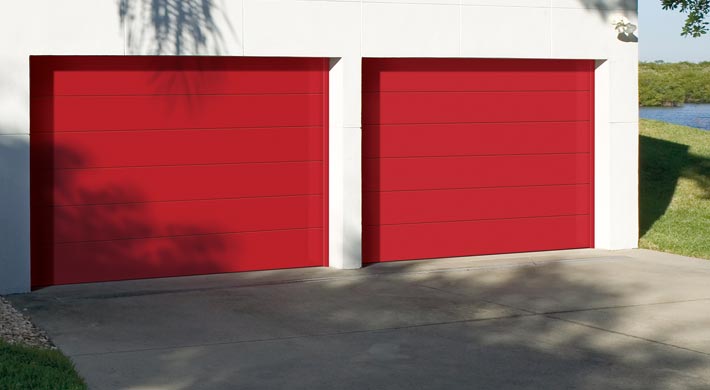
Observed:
{"x":151,"y":167}
{"x":467,"y":157}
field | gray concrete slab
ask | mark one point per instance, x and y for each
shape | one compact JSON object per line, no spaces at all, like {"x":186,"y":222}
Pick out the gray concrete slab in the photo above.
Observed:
{"x":99,"y":324}
{"x":685,"y":324}
{"x":568,"y":319}
{"x":626,"y":278}
{"x":513,"y":353}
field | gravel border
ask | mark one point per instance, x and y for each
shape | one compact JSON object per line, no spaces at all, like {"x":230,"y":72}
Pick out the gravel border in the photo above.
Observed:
{"x":16,"y":328}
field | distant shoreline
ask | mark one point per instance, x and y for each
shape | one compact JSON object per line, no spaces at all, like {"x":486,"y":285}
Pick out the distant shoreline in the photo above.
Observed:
{"x":664,"y":84}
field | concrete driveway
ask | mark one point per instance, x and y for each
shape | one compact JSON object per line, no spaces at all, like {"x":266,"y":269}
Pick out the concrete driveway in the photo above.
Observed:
{"x":583,"y":319}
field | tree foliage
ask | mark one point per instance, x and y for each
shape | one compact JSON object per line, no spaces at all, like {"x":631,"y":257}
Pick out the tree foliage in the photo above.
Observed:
{"x":673,"y":84}
{"x":697,"y":10}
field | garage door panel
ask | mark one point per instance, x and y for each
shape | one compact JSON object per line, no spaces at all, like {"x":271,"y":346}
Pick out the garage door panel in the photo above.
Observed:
{"x":165,"y":166}
{"x":176,"y":256}
{"x":474,"y":107}
{"x":151,"y":184}
{"x":419,"y":173}
{"x":475,"y":139}
{"x":426,"y":74}
{"x":166,"y":219}
{"x":476,"y":156}
{"x":402,"y":207}
{"x":450,"y":239}
{"x":177,"y":147}
{"x":185,"y":75}
{"x":92,"y":113}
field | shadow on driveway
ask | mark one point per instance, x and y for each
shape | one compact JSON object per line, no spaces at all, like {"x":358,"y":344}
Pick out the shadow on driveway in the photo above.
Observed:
{"x":572,"y":319}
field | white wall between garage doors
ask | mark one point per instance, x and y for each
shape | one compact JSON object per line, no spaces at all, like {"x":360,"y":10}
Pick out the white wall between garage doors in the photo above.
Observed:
{"x":346,"y":30}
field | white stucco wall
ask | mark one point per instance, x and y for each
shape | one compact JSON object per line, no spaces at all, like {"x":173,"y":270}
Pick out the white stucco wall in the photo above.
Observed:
{"x":345,"y":30}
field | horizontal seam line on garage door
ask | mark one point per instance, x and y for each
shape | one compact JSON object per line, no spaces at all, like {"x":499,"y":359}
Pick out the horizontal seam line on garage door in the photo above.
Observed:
{"x":187,"y":165}
{"x":187,"y":235}
{"x":478,"y":91}
{"x":479,"y":155}
{"x":180,"y":200}
{"x":474,"y":123}
{"x":237,"y":128}
{"x":485,"y":123}
{"x":177,"y":94}
{"x":481,"y":188}
{"x":477,"y":220}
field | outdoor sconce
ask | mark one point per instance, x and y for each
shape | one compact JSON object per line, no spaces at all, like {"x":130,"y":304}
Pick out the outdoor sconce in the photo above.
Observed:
{"x":624,"y":28}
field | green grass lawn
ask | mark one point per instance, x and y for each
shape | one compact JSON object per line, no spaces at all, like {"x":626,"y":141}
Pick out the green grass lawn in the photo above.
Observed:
{"x":26,"y":368}
{"x":674,"y":189}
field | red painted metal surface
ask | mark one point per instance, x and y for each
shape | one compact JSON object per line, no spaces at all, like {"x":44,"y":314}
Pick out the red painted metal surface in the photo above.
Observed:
{"x":422,"y":206}
{"x":188,"y":255}
{"x":165,"y":166}
{"x":436,"y":173}
{"x":58,"y":76}
{"x":450,"y":239}
{"x":466,"y":157}
{"x":435,"y":74}
{"x":476,"y":139}
{"x":102,"y":149}
{"x":184,"y":183}
{"x":170,"y":112}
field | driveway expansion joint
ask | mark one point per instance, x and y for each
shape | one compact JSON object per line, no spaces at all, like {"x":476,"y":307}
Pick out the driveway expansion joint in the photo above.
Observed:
{"x":553,"y":315}
{"x":315,"y":335}
{"x":525,"y":314}
{"x":628,"y":335}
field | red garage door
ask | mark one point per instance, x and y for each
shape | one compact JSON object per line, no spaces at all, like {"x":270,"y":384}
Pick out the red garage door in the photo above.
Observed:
{"x":467,"y":157}
{"x":151,"y":167}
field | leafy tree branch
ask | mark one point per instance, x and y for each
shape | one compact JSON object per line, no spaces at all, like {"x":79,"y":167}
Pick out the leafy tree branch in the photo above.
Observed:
{"x":697,"y":10}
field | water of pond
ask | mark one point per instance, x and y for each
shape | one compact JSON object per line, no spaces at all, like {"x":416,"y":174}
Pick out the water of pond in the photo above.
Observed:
{"x":693,"y":115}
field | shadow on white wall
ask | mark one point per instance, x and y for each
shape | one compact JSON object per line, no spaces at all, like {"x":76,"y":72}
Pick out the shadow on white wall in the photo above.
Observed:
{"x":14,"y":213}
{"x":608,"y":7}
{"x":175,"y":27}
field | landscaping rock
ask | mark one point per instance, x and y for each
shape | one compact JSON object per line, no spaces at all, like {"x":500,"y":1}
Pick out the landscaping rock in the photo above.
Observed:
{"x":16,"y":328}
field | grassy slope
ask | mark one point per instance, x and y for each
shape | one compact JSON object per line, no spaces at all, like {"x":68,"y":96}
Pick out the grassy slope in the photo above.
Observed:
{"x":675,"y":189}
{"x":25,"y":368}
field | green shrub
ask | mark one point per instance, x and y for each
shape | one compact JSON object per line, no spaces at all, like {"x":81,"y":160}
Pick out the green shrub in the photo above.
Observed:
{"x":672,"y":84}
